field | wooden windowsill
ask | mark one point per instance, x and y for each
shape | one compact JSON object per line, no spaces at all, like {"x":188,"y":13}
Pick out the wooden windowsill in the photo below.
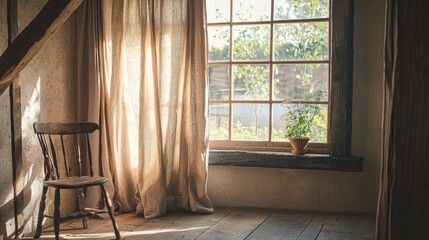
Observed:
{"x":284,"y":160}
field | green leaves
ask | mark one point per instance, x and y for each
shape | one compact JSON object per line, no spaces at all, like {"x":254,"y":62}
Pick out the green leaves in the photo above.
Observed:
{"x":300,"y":9}
{"x":300,"y":117}
{"x":251,"y":42}
{"x":301,"y":41}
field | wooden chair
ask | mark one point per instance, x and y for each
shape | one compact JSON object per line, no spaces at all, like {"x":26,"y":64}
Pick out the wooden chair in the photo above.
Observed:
{"x":54,"y":137}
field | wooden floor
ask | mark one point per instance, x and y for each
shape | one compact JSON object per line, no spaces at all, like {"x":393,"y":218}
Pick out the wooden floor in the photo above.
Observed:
{"x":227,"y":223}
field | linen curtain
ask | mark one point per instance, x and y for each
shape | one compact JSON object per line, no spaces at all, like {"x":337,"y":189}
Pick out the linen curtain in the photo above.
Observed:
{"x":145,"y":71}
{"x":403,"y":207}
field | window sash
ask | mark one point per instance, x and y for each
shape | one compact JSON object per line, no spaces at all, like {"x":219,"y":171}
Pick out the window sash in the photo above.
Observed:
{"x":313,"y":147}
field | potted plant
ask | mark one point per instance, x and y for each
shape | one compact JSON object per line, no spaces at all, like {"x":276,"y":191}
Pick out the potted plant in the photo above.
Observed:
{"x":299,"y":119}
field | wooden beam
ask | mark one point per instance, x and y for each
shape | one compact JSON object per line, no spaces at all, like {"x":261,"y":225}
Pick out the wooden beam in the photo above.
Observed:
{"x":33,"y":37}
{"x":15,"y":126}
{"x":341,"y":78}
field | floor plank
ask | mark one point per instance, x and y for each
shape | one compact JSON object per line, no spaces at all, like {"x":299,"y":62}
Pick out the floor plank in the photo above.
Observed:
{"x":366,"y":228}
{"x":130,"y":225}
{"x":190,"y":226}
{"x":282,"y":225}
{"x":343,"y":229}
{"x":140,"y":228}
{"x":313,"y":229}
{"x":226,"y":223}
{"x":237,"y":225}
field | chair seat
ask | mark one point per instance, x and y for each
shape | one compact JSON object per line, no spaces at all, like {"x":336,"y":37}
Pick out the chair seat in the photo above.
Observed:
{"x":76,"y":182}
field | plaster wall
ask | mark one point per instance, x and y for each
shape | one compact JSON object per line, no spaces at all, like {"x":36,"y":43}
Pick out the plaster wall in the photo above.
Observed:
{"x":46,"y":95}
{"x":6,"y":190}
{"x":324,"y":190}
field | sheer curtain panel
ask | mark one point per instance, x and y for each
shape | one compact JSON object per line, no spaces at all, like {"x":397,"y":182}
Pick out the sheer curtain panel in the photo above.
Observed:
{"x":151,"y":68}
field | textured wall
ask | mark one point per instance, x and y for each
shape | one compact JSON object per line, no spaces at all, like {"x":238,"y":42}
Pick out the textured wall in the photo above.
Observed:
{"x":324,"y":190}
{"x":6,"y":190}
{"x":45,"y":96}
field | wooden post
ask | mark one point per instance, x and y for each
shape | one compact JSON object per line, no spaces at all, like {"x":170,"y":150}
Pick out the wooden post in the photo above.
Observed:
{"x":15,"y":125}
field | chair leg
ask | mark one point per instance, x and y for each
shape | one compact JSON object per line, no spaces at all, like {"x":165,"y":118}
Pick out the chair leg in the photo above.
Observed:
{"x":42,"y":207}
{"x":57,"y":214}
{"x":82,"y":205}
{"x":109,"y":208}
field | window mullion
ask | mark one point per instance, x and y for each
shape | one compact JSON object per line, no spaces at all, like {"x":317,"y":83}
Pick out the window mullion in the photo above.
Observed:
{"x":270,"y":119}
{"x":230,"y":72}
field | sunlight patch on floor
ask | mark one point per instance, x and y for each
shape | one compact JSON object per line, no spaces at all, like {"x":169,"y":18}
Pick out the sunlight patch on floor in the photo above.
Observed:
{"x":124,"y":234}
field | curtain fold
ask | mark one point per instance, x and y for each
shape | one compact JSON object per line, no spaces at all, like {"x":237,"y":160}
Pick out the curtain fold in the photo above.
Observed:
{"x":390,"y":58}
{"x":403,"y":206}
{"x":145,"y":70}
{"x":89,"y":90}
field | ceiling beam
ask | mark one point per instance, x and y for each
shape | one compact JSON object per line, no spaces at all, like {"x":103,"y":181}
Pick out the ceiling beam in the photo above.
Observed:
{"x":28,"y":43}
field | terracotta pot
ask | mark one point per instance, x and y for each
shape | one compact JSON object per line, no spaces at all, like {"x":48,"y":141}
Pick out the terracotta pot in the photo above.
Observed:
{"x":299,"y":144}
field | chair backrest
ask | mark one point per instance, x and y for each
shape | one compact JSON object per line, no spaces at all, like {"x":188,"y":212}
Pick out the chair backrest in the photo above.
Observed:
{"x":72,"y":140}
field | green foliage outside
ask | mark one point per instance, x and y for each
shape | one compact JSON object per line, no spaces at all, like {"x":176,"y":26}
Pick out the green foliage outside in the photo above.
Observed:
{"x":218,"y":129}
{"x":298,"y":9}
{"x":249,"y":132}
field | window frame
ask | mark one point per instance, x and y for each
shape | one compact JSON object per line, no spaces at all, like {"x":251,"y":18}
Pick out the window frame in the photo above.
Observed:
{"x":339,"y":84}
{"x":341,"y":77}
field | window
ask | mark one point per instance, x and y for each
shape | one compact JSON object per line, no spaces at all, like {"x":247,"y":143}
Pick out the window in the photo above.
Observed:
{"x":260,"y":54}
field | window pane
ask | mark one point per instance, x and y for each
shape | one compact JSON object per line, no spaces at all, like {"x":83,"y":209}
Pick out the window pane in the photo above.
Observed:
{"x":319,"y":130}
{"x":219,"y":82}
{"x":317,"y":112}
{"x":301,"y":41}
{"x":251,"y":10}
{"x":251,"y":82}
{"x":298,"y":81}
{"x":293,"y":9}
{"x":278,"y":123}
{"x":250,"y":122}
{"x":218,"y":11}
{"x":251,"y":42}
{"x":218,"y":121}
{"x":218,"y":43}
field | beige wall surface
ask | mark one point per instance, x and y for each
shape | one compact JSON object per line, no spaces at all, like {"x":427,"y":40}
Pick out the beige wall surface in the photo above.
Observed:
{"x":45,"y":96}
{"x":324,"y":190}
{"x":6,"y":189}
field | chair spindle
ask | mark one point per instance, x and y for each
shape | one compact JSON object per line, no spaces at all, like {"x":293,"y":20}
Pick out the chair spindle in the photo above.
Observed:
{"x":54,"y":156}
{"x":91,"y":169}
{"x":66,"y":165}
